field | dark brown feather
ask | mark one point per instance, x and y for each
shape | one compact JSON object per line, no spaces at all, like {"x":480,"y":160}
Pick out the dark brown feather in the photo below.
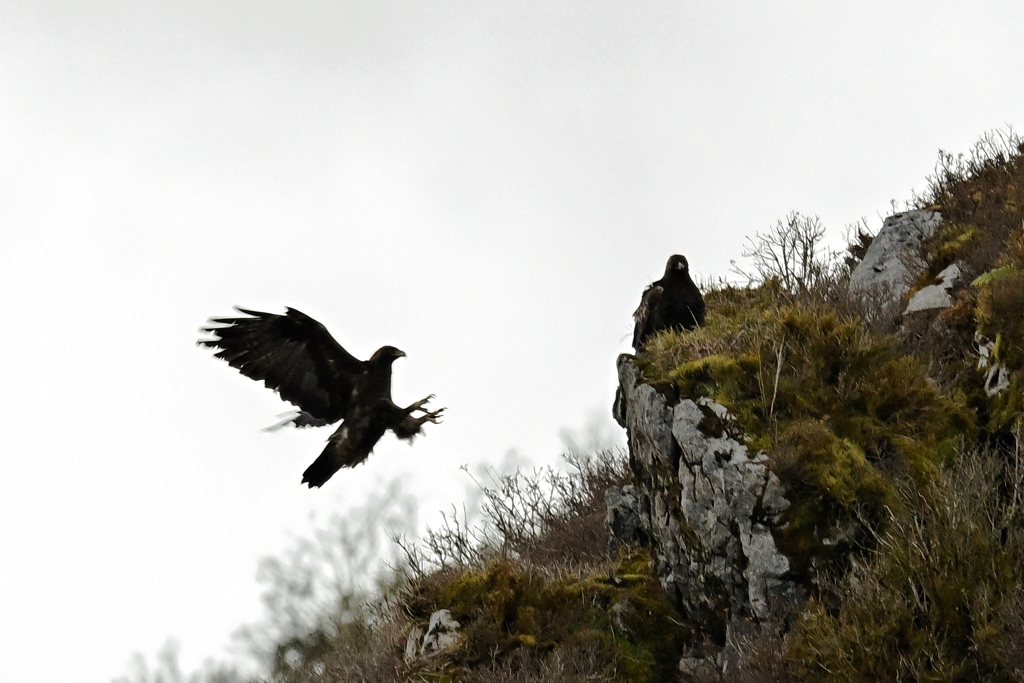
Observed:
{"x":353,"y":441}
{"x":292,"y":354}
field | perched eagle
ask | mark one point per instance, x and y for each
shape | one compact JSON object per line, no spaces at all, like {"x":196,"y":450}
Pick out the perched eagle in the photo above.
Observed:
{"x":298,"y":358}
{"x":671,"y":302}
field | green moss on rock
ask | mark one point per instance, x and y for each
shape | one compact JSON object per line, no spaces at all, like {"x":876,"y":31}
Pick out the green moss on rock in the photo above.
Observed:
{"x":625,"y":618}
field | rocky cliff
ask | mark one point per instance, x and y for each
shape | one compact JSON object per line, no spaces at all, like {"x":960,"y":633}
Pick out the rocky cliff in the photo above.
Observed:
{"x":708,"y":505}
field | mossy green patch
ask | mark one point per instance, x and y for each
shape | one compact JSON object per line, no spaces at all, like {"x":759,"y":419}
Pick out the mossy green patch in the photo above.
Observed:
{"x":626,"y":618}
{"x":709,"y":376}
{"x":831,"y":483}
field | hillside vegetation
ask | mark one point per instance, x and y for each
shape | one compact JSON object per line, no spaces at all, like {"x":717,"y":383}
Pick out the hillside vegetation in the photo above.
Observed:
{"x":906,"y":477}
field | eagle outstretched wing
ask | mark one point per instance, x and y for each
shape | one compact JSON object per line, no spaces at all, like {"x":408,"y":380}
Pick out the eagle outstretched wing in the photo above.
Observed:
{"x":292,"y":354}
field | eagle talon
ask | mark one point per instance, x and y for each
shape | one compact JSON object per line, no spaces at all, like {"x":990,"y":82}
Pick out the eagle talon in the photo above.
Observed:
{"x":418,"y":405}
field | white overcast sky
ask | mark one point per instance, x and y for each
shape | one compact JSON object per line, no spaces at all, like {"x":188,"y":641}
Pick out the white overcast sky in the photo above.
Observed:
{"x":486,"y":185}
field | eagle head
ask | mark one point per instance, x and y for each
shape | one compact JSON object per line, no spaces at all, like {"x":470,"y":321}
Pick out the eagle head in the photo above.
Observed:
{"x":676,"y":263}
{"x":387,"y":354}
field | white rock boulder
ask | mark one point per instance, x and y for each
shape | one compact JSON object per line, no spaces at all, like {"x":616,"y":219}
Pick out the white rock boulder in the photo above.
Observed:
{"x":892,"y":262}
{"x":936,"y":295}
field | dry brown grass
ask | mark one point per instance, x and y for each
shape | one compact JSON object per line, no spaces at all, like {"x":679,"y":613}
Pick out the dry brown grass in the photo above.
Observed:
{"x":568,"y":665}
{"x":982,"y":189}
{"x":549,"y":519}
{"x":366,"y":648}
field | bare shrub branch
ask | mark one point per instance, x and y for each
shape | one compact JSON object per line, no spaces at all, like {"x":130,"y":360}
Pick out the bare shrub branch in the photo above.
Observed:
{"x":790,"y":252}
{"x":546,"y":517}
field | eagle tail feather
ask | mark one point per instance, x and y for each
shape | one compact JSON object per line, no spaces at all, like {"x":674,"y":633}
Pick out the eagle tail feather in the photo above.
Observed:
{"x":322,"y":469}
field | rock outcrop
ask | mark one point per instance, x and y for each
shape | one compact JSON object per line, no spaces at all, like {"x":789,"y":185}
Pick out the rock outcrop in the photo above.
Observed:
{"x":442,"y":632}
{"x":936,"y":295}
{"x":708,"y":507}
{"x":891,"y":261}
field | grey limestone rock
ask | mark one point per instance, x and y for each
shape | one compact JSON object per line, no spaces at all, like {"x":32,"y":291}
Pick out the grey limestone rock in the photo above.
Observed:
{"x":997,"y":377}
{"x":937,"y":295}
{"x":708,"y":506}
{"x":414,"y":642}
{"x":722,"y":488}
{"x":441,"y":633}
{"x":702,"y":668}
{"x":623,"y":517}
{"x":891,"y":261}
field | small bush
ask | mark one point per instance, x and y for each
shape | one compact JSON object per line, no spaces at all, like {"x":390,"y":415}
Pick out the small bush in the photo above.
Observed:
{"x":981,"y":197}
{"x":366,"y":647}
{"x":858,"y":241}
{"x":791,"y":253}
{"x":547,"y":518}
{"x":1000,"y":318}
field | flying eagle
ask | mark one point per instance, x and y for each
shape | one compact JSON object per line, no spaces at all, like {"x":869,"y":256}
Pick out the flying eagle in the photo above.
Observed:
{"x":298,"y":358}
{"x":671,"y":302}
